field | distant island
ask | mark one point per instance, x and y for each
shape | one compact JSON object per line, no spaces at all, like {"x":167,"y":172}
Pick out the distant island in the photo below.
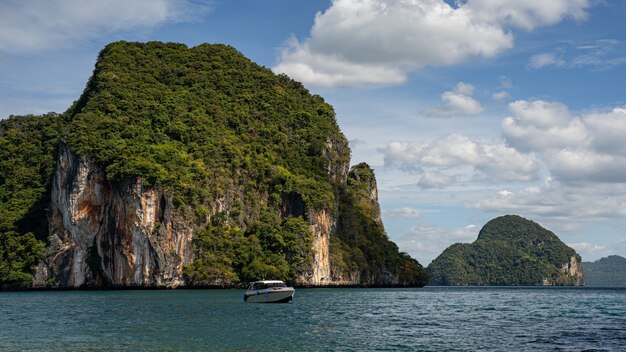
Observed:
{"x":189,"y":167}
{"x":606,"y":272}
{"x":509,"y":251}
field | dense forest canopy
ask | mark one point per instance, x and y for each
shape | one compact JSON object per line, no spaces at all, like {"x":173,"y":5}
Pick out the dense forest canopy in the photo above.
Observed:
{"x":510,"y":250}
{"x":606,"y":272}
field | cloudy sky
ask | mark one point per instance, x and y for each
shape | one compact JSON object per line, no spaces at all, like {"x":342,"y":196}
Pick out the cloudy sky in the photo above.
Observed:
{"x":467,"y":110}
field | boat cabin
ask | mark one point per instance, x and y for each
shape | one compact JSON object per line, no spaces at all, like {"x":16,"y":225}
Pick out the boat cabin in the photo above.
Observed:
{"x":261,"y":285}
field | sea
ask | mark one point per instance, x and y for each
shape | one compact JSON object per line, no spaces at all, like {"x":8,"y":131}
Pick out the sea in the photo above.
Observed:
{"x":339,"y":319}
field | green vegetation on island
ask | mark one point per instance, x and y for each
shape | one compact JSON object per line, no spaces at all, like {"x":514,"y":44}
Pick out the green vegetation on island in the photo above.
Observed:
{"x":361,"y":243}
{"x":27,"y":159}
{"x":205,"y":125}
{"x":606,"y":272}
{"x":510,"y":250}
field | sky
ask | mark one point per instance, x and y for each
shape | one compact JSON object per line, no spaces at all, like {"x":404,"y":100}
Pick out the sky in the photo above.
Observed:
{"x":467,"y":110}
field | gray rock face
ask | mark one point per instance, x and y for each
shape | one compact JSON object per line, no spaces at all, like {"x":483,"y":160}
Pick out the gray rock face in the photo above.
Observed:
{"x":130,"y":235}
{"x":113,"y":235}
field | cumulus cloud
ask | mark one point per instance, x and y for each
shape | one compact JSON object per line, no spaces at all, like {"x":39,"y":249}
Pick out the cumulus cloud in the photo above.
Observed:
{"x":527,"y":14}
{"x":560,"y":202}
{"x":432,"y":179}
{"x":587,"y":148}
{"x":30,"y":25}
{"x":539,"y":125}
{"x":607,"y":130}
{"x":579,"y":166}
{"x":357,"y":42}
{"x":405,"y":212}
{"x":488,"y":161}
{"x":540,"y":113}
{"x":579,"y":160}
{"x":583,"y":158}
{"x":457,"y":102}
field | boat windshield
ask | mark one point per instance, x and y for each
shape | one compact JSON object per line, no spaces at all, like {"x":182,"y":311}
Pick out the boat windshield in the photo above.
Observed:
{"x":264,"y":285}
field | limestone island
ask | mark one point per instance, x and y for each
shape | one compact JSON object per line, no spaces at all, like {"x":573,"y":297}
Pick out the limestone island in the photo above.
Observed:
{"x":189,"y":167}
{"x":509,"y":251}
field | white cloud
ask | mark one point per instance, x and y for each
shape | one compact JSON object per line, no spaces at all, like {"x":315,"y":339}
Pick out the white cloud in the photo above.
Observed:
{"x":501,"y":95}
{"x":357,"y":42}
{"x":505,"y":193}
{"x":588,"y":148}
{"x":356,"y":142}
{"x":580,"y":156}
{"x":590,"y":251}
{"x":600,"y":55}
{"x":446,"y":151}
{"x":501,"y":162}
{"x":300,"y":62}
{"x":539,"y":125}
{"x":561,"y":202}
{"x":540,"y":113}
{"x":581,"y":165}
{"x":527,"y":14}
{"x":31,"y":25}
{"x":586,"y":247}
{"x":538,"y":61}
{"x":458,"y":102}
{"x":432,"y":179}
{"x":488,"y":162}
{"x":425,"y":241}
{"x":607,"y":130}
{"x":405,"y":212}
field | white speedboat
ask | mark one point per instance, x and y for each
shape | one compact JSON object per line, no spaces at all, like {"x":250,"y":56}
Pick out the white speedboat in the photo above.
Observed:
{"x":268,"y":291}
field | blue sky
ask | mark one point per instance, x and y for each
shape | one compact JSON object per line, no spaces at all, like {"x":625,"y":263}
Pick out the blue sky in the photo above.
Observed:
{"x":467,"y":110}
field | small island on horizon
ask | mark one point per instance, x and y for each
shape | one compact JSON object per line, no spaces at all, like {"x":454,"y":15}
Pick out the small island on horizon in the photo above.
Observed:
{"x":509,"y":251}
{"x":606,"y":272}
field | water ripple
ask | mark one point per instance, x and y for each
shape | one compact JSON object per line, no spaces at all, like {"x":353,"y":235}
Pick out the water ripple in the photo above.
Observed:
{"x":430,"y":319}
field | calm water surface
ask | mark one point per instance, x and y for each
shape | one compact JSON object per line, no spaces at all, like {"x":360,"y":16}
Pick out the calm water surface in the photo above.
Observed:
{"x":429,"y":319}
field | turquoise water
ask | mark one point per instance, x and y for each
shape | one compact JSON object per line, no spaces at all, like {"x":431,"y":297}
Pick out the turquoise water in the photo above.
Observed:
{"x":428,"y":319}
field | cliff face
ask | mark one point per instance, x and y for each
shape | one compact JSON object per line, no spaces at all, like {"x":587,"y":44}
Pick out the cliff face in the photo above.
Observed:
{"x":362,"y":254}
{"x":510,"y":250}
{"x":113,"y":235}
{"x":573,"y":272}
{"x":129,"y":235}
{"x":322,"y":226}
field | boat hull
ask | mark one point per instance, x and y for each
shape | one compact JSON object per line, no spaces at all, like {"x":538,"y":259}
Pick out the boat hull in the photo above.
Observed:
{"x":269,"y":296}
